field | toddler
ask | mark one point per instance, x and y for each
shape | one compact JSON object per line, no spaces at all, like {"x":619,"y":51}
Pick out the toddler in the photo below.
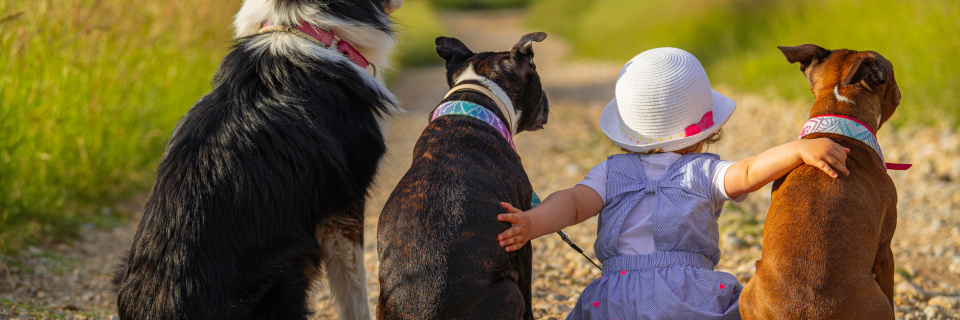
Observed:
{"x":657,"y":233}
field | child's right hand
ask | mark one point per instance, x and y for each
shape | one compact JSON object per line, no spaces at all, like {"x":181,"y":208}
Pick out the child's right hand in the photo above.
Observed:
{"x":517,"y":235}
{"x":825,"y":154}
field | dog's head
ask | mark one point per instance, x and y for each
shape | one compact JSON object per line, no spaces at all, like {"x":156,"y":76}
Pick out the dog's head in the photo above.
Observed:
{"x":513,"y":72}
{"x":858,"y":84}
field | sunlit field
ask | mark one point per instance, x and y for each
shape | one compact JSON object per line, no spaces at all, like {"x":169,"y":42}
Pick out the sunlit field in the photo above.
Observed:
{"x":737,"y":41}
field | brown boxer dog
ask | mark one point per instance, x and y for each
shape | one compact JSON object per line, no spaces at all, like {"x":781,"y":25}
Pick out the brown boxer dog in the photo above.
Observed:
{"x":826,"y":241}
{"x":437,"y":234}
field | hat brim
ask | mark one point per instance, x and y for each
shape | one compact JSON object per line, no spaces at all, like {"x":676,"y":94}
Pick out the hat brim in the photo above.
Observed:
{"x":723,"y":107}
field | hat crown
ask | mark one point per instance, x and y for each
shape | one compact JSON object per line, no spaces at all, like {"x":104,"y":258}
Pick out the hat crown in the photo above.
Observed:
{"x":662,"y":91}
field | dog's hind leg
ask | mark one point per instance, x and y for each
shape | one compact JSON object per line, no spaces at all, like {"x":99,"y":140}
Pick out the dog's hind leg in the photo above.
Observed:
{"x":524,"y":256}
{"x":342,"y":239}
{"x":883,"y":265}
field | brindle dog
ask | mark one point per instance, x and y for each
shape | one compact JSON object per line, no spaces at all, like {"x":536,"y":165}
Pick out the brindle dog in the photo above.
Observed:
{"x":826,"y":242}
{"x":437,"y":234}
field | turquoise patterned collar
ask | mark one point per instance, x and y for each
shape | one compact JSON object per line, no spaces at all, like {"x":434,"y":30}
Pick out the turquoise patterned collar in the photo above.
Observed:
{"x":850,"y":127}
{"x":470,"y":109}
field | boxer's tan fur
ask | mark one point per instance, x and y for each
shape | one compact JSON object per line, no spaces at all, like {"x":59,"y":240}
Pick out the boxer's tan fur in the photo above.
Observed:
{"x":826,"y":241}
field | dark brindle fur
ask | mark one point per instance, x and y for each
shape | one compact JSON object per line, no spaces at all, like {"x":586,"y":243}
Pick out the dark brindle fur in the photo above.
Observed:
{"x":439,"y":257}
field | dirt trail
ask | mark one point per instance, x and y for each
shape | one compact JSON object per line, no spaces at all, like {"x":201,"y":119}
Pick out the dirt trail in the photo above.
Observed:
{"x":73,"y":280}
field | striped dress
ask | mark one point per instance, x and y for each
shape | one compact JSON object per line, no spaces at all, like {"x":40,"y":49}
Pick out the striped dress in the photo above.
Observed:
{"x":677,"y":281}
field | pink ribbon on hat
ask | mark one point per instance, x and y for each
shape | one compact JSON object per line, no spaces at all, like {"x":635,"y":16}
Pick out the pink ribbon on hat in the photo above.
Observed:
{"x":705,"y":122}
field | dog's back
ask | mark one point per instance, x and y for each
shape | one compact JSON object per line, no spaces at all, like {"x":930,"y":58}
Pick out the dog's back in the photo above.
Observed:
{"x":254,"y":174}
{"x":442,"y":260}
{"x":826,"y":234}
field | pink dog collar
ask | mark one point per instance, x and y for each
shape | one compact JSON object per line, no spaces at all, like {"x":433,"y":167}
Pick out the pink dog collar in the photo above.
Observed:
{"x":327,"y":39}
{"x":849,"y":127}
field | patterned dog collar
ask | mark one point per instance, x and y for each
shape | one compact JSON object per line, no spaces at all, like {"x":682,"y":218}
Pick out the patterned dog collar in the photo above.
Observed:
{"x":470,"y":109}
{"x":849,"y":127}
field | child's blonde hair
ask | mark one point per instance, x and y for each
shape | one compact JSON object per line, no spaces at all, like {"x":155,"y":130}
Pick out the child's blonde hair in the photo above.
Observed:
{"x":706,"y":142}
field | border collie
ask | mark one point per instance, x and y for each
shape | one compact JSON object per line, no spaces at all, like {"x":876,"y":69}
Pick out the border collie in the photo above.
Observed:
{"x":263,"y":182}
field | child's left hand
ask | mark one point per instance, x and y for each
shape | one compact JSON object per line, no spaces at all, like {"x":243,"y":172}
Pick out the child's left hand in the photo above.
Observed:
{"x":824,"y":154}
{"x":517,"y":235}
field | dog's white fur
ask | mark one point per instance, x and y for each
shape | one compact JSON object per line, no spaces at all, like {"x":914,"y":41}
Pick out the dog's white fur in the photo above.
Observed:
{"x":836,"y":93}
{"x":471,"y":74}
{"x":375,"y":45}
{"x":841,"y":98}
{"x":346,"y":275}
{"x":283,"y":43}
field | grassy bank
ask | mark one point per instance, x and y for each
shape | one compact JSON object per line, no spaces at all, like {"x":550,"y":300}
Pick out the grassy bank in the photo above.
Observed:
{"x":736,"y":40}
{"x":418,"y":25}
{"x":89,"y":91}
{"x":479,"y":4}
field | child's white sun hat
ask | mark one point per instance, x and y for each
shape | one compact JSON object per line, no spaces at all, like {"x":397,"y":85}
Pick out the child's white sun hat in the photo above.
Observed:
{"x":663,"y":101}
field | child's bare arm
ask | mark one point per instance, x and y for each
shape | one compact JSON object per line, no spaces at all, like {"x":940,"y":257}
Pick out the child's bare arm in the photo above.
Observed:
{"x":751,"y":174}
{"x":561,"y":209}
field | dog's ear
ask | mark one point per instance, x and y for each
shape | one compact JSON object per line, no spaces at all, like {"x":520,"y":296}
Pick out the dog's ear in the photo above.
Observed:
{"x":523,"y":50}
{"x":452,"y":50}
{"x":868,"y":70}
{"x":805,"y":54}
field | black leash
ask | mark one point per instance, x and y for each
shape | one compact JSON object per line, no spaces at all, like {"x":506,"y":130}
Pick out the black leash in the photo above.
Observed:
{"x":575,"y":247}
{"x":534,"y":201}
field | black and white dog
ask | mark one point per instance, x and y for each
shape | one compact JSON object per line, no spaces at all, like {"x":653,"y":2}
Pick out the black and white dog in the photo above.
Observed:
{"x":437,"y":234}
{"x":263,"y":181}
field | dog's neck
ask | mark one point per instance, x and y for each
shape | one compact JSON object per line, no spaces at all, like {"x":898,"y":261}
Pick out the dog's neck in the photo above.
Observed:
{"x":324,"y":38}
{"x":493,"y":91}
{"x":848,"y":127}
{"x":372,"y":41}
{"x":474,"y":110}
{"x":492,"y":96}
{"x":848,"y":101}
{"x":484,"y":89}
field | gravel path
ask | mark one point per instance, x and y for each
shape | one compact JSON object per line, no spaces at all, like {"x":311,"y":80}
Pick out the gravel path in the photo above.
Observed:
{"x":72,"y":281}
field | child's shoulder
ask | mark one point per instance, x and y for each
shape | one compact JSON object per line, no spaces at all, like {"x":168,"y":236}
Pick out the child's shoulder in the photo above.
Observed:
{"x":688,"y":157}
{"x":704,"y":155}
{"x":701,"y":162}
{"x":670,"y":165}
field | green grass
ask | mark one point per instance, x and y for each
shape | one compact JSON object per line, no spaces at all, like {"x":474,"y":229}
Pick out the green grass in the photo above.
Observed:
{"x":89,"y":91}
{"x":736,"y":40}
{"x":418,"y":25}
{"x":478,"y":4}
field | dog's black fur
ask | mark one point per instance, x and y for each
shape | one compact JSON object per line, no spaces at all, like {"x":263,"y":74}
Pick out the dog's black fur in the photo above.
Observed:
{"x":278,"y":155}
{"x":439,"y":257}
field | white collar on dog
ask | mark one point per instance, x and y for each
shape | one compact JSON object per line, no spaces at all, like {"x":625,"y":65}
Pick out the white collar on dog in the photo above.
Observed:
{"x":495,"y":92}
{"x":501,"y":104}
{"x":849,"y":127}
